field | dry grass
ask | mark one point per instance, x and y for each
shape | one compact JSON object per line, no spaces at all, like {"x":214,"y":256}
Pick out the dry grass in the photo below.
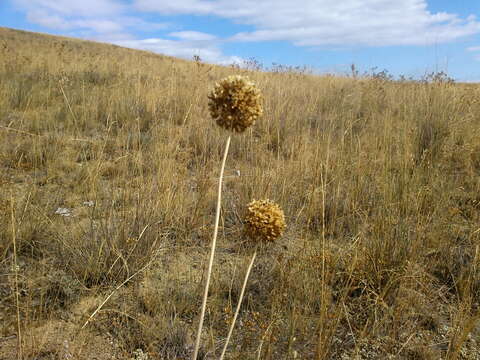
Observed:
{"x":378,"y":181}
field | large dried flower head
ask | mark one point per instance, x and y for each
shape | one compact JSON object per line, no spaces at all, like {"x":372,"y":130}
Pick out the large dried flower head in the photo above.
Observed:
{"x":264,"y":220}
{"x":235,"y":103}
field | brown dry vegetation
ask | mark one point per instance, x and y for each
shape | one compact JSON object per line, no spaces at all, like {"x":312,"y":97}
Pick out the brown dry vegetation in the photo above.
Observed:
{"x":379,"y":181}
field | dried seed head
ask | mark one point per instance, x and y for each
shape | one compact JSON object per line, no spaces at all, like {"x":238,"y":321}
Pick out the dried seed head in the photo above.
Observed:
{"x":235,"y":103}
{"x":264,"y":220}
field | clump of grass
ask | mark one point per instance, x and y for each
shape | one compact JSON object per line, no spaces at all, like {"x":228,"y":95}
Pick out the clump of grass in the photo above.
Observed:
{"x":430,"y":137}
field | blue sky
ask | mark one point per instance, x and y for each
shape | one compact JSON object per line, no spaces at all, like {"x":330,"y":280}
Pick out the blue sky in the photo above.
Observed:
{"x":410,"y":37}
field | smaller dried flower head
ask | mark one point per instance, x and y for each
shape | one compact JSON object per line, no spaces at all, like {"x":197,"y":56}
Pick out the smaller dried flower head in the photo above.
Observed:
{"x":235,"y":103}
{"x":264,"y":220}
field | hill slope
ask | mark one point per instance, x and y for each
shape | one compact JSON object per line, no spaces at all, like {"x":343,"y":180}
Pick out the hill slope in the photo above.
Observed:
{"x":108,"y":169}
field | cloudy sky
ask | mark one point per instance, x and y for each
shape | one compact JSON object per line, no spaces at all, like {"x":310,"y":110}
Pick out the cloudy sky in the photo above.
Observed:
{"x":409,"y":37}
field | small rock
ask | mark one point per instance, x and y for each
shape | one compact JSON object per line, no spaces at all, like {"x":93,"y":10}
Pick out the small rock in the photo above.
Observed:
{"x":63,"y":212}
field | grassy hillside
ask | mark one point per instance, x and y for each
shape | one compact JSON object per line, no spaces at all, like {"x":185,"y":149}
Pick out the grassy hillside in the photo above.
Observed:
{"x":109,"y":162}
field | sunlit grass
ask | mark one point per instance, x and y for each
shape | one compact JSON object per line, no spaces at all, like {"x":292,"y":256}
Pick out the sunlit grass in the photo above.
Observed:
{"x":378,"y":182}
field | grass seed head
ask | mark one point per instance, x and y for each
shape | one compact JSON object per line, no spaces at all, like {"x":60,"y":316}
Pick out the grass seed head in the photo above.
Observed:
{"x":264,"y":220}
{"x":235,"y":103}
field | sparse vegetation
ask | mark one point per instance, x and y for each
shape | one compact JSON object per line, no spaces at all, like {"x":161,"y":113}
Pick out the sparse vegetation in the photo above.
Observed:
{"x":108,"y":165}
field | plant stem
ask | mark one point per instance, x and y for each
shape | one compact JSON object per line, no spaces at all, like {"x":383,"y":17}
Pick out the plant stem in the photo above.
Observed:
{"x":15,"y":264}
{"x":212,"y":252}
{"x":238,"y":305}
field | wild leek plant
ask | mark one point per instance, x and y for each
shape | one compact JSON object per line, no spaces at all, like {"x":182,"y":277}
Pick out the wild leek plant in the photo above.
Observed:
{"x":264,"y":222}
{"x":235,"y":104}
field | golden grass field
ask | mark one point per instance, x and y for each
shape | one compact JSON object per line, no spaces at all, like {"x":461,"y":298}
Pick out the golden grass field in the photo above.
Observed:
{"x":109,"y":163}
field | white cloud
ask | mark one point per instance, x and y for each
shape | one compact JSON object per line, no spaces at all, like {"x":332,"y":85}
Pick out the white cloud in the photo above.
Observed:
{"x":476,"y":51}
{"x":178,"y":7}
{"x":326,"y":22}
{"x":92,"y":19}
{"x":83,"y":8}
{"x":208,"y":51}
{"x":192,"y":36}
{"x":42,"y":18}
{"x":97,"y":16}
{"x":142,"y":25}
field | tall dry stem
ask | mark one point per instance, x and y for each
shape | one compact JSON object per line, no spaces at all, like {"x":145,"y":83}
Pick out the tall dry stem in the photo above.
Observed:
{"x":212,"y":252}
{"x":237,"y":310}
{"x":17,"y":299}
